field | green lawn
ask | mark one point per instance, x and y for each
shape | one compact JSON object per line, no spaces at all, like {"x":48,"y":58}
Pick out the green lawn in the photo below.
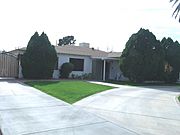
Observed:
{"x":68,"y":91}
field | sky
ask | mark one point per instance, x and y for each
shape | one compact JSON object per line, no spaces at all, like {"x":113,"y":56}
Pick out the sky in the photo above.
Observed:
{"x":105,"y":24}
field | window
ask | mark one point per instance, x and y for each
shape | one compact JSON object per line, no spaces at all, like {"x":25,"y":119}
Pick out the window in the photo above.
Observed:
{"x":78,"y":64}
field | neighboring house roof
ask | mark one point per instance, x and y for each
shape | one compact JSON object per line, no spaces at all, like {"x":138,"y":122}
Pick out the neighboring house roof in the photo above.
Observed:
{"x":114,"y":54}
{"x":77,"y":50}
{"x":18,"y":51}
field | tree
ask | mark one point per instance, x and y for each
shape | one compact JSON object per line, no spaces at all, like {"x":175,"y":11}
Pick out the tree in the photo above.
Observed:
{"x":68,"y":40}
{"x":39,"y":59}
{"x":142,"y":58}
{"x":172,"y":59}
{"x":66,"y":69}
{"x":177,"y":9}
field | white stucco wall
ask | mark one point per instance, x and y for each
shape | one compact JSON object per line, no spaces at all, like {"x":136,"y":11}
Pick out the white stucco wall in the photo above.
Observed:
{"x":55,"y":74}
{"x":63,"y":58}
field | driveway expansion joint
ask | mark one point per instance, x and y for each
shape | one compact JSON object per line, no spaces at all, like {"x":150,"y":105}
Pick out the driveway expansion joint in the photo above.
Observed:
{"x":143,"y":115}
{"x":25,"y":108}
{"x":68,"y":127}
{"x":130,"y":130}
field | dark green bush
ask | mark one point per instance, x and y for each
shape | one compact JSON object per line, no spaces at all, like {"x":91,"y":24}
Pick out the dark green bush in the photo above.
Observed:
{"x":66,"y":69}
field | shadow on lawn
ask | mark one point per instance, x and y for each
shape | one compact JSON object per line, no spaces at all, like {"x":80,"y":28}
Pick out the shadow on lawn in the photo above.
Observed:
{"x":48,"y":82}
{"x":41,"y":83}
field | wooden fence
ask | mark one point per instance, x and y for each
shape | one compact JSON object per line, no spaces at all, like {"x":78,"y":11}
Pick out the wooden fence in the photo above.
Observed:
{"x":8,"y":65}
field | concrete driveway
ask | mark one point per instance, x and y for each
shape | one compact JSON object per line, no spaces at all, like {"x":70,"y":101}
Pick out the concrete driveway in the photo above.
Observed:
{"x":27,"y":111}
{"x":144,"y":110}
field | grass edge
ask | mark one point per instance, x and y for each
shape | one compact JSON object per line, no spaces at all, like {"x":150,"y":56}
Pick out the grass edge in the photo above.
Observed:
{"x":28,"y":83}
{"x":177,"y":99}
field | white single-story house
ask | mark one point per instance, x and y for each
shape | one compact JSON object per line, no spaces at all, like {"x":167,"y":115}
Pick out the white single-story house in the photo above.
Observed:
{"x":102,"y":65}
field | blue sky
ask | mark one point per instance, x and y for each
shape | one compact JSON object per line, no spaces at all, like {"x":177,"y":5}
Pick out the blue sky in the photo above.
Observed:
{"x":105,"y":24}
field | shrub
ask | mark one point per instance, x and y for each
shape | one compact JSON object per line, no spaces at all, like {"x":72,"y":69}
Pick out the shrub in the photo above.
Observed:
{"x":87,"y":76}
{"x":66,"y":69}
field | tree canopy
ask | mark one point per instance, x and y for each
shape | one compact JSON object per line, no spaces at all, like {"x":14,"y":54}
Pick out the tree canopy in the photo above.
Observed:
{"x":39,"y":59}
{"x":146,"y":58}
{"x":142,"y":58}
{"x":172,"y":59}
{"x":68,"y":40}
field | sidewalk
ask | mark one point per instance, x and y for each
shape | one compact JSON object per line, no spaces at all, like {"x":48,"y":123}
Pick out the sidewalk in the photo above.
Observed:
{"x":27,"y":111}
